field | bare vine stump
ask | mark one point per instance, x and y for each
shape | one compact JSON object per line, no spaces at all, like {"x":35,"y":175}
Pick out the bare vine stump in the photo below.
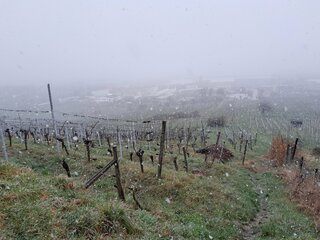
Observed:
{"x":175,"y":163}
{"x":244,"y":152}
{"x":151,"y":158}
{"x":9,"y":136}
{"x":66,"y":167}
{"x":87,"y":142}
{"x":140,"y":153}
{"x":134,"y":190}
{"x":63,"y":145}
{"x":25,"y":133}
{"x":301,"y":162}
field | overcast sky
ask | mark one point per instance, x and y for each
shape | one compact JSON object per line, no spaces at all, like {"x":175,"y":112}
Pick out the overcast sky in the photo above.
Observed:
{"x":73,"y":40}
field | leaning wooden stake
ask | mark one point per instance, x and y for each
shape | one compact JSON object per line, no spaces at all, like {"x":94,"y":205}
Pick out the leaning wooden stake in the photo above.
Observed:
{"x":245,"y":152}
{"x":163,"y":134}
{"x":93,"y":179}
{"x":118,"y":177}
{"x":185,"y":159}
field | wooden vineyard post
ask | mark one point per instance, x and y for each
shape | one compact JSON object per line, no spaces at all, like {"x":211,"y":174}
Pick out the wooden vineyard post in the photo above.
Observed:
{"x":166,"y":138}
{"x":255,"y":139}
{"x":185,"y":159}
{"x":53,"y":119}
{"x":161,"y":153}
{"x":4,"y":149}
{"x":287,"y":154}
{"x":133,"y":137}
{"x":67,"y":135}
{"x":99,"y":139}
{"x":19,"y":132}
{"x":118,"y":177}
{"x":250,"y":142}
{"x":218,"y":138}
{"x":148,"y":140}
{"x":202,"y":135}
{"x":25,"y":134}
{"x":244,"y":152}
{"x":119,"y":142}
{"x":241,"y":141}
{"x":294,"y":149}
{"x":109,"y":145}
{"x":87,"y":143}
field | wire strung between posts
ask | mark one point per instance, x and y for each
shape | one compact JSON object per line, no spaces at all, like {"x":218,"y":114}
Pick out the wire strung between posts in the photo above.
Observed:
{"x":74,"y":115}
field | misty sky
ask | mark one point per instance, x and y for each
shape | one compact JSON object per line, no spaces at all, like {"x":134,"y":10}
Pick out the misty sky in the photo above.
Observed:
{"x":96,"y":41}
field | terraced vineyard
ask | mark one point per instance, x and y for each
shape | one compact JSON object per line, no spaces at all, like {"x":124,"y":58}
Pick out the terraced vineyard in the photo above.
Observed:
{"x":201,"y":195}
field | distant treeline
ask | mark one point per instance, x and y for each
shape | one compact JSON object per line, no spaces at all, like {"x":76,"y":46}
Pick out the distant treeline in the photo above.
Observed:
{"x":176,"y":115}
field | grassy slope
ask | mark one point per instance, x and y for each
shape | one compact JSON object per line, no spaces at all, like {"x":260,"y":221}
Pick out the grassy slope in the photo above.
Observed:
{"x":285,"y":221}
{"x":38,"y":201}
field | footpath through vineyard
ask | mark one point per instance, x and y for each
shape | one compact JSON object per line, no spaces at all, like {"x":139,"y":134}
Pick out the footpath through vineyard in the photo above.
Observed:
{"x":250,"y":229}
{"x":278,"y":215}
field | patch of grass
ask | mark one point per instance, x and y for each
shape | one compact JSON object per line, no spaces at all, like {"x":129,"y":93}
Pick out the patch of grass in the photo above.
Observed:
{"x":212,"y":203}
{"x":285,"y":220}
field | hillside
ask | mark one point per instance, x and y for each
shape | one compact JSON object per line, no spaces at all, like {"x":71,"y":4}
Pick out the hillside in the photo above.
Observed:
{"x":210,"y":201}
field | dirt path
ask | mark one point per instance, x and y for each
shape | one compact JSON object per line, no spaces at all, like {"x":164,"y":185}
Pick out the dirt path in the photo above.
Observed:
{"x":250,"y":229}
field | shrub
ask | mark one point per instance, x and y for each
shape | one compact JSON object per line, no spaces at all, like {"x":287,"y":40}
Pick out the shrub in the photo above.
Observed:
{"x":278,"y":150}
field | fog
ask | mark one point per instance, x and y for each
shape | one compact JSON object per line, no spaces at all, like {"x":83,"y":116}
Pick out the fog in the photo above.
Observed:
{"x":209,"y":108}
{"x":101,"y":42}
